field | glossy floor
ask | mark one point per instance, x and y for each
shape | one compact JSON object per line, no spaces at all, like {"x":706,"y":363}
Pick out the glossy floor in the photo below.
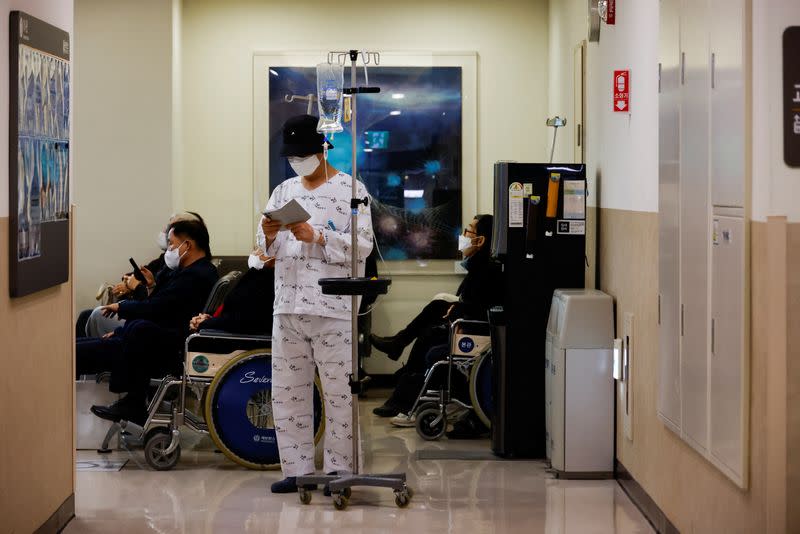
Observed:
{"x":208,"y":494}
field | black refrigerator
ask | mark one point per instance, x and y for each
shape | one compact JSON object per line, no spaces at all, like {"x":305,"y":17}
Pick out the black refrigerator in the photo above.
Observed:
{"x":539,"y":236}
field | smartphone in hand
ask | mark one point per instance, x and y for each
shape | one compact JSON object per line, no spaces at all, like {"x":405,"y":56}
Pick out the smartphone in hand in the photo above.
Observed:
{"x":137,"y":272}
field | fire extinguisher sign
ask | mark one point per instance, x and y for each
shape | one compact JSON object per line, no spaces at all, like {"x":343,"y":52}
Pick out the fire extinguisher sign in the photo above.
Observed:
{"x":622,"y":91}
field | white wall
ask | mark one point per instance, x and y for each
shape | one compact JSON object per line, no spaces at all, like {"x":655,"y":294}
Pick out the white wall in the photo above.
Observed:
{"x":219,"y":39}
{"x":123,"y":136}
{"x":621,"y":148}
{"x":776,"y":187}
{"x":55,"y":12}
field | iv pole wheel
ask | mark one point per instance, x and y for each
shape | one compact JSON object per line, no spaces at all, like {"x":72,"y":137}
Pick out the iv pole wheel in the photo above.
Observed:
{"x":305,"y":495}
{"x":402,"y":497}
{"x":340,"y":501}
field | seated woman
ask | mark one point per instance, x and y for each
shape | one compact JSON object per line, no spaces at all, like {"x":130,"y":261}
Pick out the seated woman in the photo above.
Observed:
{"x":243,"y":311}
{"x":476,"y":294}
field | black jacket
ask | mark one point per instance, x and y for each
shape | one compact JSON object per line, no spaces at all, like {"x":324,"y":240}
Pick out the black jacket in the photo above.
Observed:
{"x":248,"y":307}
{"x":155,"y":267}
{"x":479,"y":290}
{"x":178,"y":296}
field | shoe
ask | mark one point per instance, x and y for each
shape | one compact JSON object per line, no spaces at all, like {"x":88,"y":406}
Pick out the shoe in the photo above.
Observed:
{"x":386,"y":410}
{"x":289,"y":485}
{"x":126,"y":408}
{"x":404,"y":421}
{"x":392,"y":346}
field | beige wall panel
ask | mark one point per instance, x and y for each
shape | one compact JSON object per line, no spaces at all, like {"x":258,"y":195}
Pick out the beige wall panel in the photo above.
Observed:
{"x":695,"y":496}
{"x":793,"y":376}
{"x":217,"y":110}
{"x":36,"y":393}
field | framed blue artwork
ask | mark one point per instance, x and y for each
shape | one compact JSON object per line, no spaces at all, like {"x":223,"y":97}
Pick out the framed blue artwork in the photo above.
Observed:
{"x":39,"y":149}
{"x":409,"y":149}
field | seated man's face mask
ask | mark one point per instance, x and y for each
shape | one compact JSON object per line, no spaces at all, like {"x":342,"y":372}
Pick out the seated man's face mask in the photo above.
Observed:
{"x":304,"y":165}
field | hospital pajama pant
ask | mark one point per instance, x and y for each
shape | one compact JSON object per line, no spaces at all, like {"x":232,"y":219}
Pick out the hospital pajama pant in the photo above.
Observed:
{"x":299,"y":344}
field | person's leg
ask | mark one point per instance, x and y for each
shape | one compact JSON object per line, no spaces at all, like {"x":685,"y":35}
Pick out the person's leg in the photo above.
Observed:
{"x":98,"y":325}
{"x":428,"y":338}
{"x":94,"y":355}
{"x":292,"y":399}
{"x":432,"y":314}
{"x":147,"y":351}
{"x":80,"y":324}
{"x":332,"y":345}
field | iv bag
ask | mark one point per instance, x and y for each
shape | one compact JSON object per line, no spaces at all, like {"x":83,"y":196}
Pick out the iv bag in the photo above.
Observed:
{"x":330,"y":81}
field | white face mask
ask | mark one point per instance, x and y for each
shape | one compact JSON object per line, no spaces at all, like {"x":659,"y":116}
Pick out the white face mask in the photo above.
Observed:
{"x":173,"y":257}
{"x":464,"y":243}
{"x":304,"y":166}
{"x":162,"y":241}
{"x":254,"y":261}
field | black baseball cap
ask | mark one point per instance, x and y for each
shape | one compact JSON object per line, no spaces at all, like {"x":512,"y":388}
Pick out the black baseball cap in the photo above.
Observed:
{"x":300,"y":137}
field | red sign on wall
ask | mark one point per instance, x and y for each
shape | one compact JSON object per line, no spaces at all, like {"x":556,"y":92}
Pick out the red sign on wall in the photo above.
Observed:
{"x":622,"y":90}
{"x":611,"y":13}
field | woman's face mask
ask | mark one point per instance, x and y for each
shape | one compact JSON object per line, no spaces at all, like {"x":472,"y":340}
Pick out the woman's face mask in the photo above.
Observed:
{"x":304,"y":166}
{"x":172,"y":257}
{"x":464,"y":243}
{"x":162,"y":241}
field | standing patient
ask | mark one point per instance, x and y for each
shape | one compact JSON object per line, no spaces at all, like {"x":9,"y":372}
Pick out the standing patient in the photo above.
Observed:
{"x":311,"y":330}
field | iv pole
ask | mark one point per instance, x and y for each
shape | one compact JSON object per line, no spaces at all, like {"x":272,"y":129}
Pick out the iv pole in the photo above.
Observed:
{"x":340,"y":485}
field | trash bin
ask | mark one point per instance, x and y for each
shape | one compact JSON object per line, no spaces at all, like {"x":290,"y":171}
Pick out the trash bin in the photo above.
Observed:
{"x":579,"y":384}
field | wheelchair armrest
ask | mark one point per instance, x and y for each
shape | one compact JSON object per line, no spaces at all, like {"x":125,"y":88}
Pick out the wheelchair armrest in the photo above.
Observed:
{"x":221,"y":334}
{"x":467,"y":326}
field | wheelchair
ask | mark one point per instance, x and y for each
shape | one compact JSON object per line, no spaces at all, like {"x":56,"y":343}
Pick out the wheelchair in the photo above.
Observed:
{"x":470,"y":356}
{"x":225,"y":391}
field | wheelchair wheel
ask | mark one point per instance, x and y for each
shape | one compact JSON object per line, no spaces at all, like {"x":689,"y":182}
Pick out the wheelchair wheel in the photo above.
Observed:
{"x":157,"y":442}
{"x":480,"y":388}
{"x":431,"y":424}
{"x":238,"y":411}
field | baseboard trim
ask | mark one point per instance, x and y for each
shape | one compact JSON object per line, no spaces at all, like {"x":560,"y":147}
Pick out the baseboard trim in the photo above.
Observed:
{"x":60,"y":518}
{"x":651,"y":511}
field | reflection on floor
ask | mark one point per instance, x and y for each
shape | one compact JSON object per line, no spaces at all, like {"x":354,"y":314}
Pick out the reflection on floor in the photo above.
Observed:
{"x":207,"y":494}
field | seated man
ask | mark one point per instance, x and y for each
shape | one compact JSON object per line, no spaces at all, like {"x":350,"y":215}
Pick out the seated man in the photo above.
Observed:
{"x":93,"y":323}
{"x":476,"y":294}
{"x":149,"y":343}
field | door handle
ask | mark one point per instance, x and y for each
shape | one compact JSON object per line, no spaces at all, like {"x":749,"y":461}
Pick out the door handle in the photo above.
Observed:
{"x":683,"y":68}
{"x":713,"y":336}
{"x":713,"y":70}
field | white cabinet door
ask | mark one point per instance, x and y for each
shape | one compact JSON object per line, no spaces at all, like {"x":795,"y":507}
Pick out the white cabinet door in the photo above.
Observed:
{"x":727,"y":103}
{"x":728,"y":369}
{"x":695,"y":221}
{"x":669,"y":380}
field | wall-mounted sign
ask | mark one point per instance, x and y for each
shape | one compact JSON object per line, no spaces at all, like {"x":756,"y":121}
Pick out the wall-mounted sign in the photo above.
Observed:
{"x":621,"y":91}
{"x":39,"y":148}
{"x":791,"y":96}
{"x":611,"y":15}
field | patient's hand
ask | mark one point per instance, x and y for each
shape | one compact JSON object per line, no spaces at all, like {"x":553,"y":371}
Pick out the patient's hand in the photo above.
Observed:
{"x":108,"y":335}
{"x":148,"y":277}
{"x":197,"y":320}
{"x":111,"y":310}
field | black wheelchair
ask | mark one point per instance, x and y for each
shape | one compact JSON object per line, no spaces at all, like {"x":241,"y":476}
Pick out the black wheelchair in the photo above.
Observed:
{"x":469,"y":355}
